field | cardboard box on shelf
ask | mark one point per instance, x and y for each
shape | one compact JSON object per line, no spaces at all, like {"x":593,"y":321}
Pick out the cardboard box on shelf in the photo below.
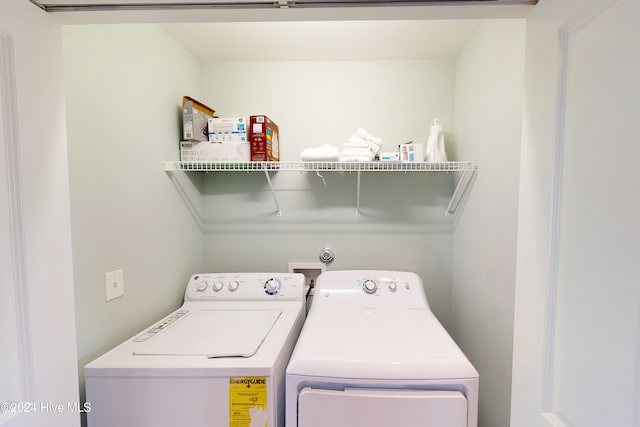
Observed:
{"x":227,"y":129}
{"x":264,"y":139}
{"x":411,"y":153}
{"x":205,"y":151}
{"x":195,"y":117}
{"x":389,"y":156}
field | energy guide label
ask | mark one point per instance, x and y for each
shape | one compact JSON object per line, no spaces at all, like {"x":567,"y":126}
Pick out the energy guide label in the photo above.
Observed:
{"x":248,"y":402}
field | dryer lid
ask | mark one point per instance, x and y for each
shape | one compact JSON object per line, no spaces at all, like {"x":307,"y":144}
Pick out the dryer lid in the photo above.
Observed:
{"x":213,"y":333}
{"x":407,"y":344}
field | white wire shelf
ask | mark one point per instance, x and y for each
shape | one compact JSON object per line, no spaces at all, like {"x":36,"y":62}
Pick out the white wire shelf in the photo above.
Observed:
{"x":466,"y":169}
{"x":373,"y":166}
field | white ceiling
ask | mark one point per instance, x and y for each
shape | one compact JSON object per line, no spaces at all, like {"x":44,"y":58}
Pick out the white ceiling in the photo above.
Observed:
{"x":325,"y":40}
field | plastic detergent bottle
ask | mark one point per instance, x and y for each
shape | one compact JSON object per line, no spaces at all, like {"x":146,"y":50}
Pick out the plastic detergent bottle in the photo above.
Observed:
{"x":435,"y":144}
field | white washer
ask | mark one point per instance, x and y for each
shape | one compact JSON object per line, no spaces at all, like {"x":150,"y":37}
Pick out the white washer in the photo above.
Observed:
{"x":219,"y":360}
{"x":372,"y":354}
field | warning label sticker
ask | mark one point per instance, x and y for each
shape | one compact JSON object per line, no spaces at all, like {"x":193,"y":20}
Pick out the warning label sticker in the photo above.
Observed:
{"x":248,"y":402}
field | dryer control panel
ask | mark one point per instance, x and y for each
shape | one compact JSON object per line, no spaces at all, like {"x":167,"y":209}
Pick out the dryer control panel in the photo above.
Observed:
{"x":370,"y":289}
{"x":245,"y":287}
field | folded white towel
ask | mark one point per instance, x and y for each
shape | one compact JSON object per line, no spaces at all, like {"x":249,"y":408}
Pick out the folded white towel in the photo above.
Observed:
{"x":323,"y":153}
{"x":374,"y":143}
{"x":375,"y":148}
{"x":363,"y":134}
{"x":356,"y":141}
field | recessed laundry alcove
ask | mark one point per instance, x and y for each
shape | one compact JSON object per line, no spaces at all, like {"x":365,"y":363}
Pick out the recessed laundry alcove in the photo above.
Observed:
{"x":124,"y":83}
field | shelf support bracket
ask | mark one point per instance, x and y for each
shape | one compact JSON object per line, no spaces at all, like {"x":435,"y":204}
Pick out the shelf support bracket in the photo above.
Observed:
{"x":273,"y":193}
{"x":358,"y":196}
{"x":462,"y":188}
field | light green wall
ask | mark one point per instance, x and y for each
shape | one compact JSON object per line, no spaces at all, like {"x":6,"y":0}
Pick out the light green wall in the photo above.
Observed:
{"x":123,"y":91}
{"x":325,"y":102}
{"x":401,"y":226}
{"x":489,"y":97}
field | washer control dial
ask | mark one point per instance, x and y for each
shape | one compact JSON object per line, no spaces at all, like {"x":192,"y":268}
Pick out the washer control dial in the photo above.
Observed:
{"x":369,"y":286}
{"x":272,"y":286}
{"x":393,"y":286}
{"x":201,"y":286}
{"x":217,"y":286}
{"x":234,"y":285}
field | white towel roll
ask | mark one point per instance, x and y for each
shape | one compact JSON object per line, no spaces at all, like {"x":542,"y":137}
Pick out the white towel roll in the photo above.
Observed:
{"x":323,"y":153}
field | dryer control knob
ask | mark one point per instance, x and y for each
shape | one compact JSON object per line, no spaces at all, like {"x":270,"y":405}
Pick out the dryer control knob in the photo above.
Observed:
{"x":233,"y":286}
{"x":369,"y":286}
{"x":393,"y":286}
{"x":272,"y":286}
{"x":202,"y":286}
{"x":217,"y":286}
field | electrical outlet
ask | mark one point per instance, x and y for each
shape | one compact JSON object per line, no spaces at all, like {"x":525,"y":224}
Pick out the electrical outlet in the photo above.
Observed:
{"x":311,"y":270}
{"x":114,"y":284}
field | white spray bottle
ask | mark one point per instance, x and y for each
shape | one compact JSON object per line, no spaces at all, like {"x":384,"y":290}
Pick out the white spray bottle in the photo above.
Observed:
{"x":435,"y":144}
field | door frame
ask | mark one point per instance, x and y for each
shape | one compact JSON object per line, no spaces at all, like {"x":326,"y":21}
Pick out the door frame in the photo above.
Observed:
{"x":10,"y":142}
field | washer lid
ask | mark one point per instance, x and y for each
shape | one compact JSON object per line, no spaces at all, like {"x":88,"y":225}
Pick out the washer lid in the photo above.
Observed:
{"x":213,"y":333}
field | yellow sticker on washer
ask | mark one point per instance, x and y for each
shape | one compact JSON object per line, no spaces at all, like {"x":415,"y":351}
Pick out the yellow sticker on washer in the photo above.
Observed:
{"x":248,"y":402}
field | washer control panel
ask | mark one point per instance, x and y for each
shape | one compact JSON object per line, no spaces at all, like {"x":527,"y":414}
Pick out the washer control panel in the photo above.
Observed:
{"x":245,"y":286}
{"x":370,"y":289}
{"x":160,"y":326}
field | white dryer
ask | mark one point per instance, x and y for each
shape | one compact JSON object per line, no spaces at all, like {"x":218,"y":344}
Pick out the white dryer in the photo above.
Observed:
{"x":372,"y":354}
{"x":219,"y":360}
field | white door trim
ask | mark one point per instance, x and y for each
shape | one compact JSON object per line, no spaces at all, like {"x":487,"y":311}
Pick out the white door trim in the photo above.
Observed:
{"x":566,"y":33}
{"x":11,"y":143}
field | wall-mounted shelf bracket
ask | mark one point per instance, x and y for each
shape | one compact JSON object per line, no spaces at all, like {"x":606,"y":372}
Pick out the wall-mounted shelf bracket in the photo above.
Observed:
{"x":461,"y":190}
{"x":273,"y":193}
{"x":465,"y":169}
{"x":358,"y":196}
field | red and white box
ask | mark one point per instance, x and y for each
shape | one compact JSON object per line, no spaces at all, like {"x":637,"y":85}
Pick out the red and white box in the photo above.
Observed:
{"x":264,"y":139}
